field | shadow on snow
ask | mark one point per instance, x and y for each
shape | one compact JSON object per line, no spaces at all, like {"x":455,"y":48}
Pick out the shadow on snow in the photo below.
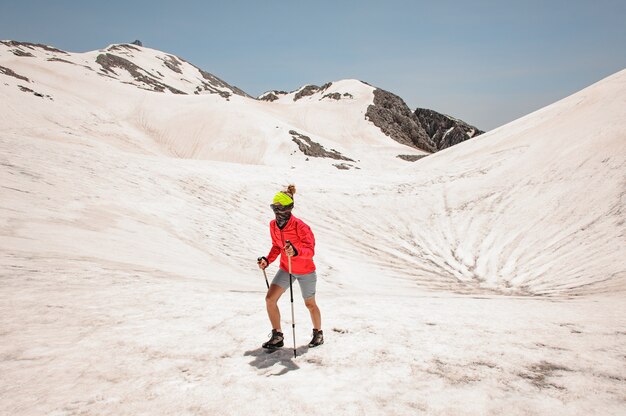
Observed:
{"x":282,"y":356}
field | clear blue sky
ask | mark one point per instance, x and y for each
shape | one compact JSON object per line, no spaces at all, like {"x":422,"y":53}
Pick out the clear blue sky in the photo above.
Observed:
{"x":486,"y":62}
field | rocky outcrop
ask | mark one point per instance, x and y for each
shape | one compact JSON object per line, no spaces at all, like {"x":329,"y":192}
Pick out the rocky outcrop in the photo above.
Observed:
{"x":392,"y":116}
{"x":109,"y":62}
{"x":333,"y":96}
{"x":27,"y":45}
{"x":310,"y":90}
{"x":19,"y":52}
{"x":172,"y":63}
{"x":411,"y":158}
{"x":137,"y":42}
{"x":271,"y":95}
{"x":214,"y":82}
{"x":126,"y":48}
{"x":35,"y":93}
{"x":11,"y":73}
{"x":443,"y":130}
{"x":311,"y":148}
{"x":306,"y":91}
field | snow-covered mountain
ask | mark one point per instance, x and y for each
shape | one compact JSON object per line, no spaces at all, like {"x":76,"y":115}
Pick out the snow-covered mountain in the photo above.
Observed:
{"x":144,"y":68}
{"x":131,"y":220}
{"x":219,"y":123}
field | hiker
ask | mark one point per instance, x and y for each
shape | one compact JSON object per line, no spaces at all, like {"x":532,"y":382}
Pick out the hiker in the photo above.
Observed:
{"x":290,"y":237}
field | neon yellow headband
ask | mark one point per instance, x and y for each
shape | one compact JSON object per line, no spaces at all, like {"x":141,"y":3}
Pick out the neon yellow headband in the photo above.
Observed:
{"x":282,"y":199}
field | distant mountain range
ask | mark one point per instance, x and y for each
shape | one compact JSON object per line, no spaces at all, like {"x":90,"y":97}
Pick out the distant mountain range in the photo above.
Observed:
{"x":346,"y":103}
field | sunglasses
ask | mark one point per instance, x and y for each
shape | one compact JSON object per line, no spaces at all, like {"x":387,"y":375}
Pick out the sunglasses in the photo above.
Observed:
{"x":281,"y":208}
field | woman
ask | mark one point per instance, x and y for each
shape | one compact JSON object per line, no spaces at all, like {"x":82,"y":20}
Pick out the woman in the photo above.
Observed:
{"x":291,"y":237}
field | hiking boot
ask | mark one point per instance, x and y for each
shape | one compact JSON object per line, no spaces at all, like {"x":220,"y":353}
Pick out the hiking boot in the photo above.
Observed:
{"x":318,"y":338}
{"x":276,"y":341}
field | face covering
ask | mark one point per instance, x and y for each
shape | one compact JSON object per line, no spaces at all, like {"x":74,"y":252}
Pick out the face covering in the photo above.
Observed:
{"x":282,"y":213}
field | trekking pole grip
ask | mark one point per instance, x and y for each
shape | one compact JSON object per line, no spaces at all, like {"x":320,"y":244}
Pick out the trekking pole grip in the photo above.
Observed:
{"x":264,"y":273}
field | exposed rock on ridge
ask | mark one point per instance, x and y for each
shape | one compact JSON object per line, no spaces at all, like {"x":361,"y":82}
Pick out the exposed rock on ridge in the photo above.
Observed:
{"x":271,"y":95}
{"x":213,"y":80}
{"x":392,"y":116}
{"x":109,"y":61}
{"x":444,"y":130}
{"x":32,"y":46}
{"x":204,"y":81}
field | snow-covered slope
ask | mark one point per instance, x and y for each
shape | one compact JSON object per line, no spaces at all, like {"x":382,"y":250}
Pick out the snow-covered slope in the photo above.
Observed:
{"x":130,"y":224}
{"x":534,"y":207}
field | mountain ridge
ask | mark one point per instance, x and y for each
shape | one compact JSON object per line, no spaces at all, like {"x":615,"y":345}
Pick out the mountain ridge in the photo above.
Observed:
{"x":152,"y":70}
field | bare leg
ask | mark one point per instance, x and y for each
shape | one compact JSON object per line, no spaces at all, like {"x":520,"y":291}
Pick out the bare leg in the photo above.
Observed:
{"x":271,"y":302}
{"x":316,"y":316}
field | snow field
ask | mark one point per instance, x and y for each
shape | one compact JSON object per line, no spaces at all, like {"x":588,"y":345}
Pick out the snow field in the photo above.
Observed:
{"x":486,"y":279}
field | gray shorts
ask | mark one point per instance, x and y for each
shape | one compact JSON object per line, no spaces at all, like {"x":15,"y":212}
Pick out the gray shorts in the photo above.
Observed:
{"x":307,"y":282}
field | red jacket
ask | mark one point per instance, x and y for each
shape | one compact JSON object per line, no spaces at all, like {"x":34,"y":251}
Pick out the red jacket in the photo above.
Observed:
{"x":302,"y":240}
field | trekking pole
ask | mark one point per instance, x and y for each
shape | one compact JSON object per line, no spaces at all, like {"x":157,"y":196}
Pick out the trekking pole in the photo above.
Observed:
{"x":264,"y":273}
{"x":293,"y":319}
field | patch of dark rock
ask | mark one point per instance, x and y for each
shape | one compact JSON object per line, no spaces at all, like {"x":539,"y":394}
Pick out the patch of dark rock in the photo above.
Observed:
{"x":333,"y":96}
{"x":348,"y":95}
{"x":311,"y":148}
{"x":109,"y":61}
{"x":411,"y":158}
{"x":19,"y":52}
{"x":207,"y":87}
{"x":172,"y":63}
{"x":445,"y":131}
{"x":306,"y":91}
{"x":68,"y":62}
{"x":13,"y":43}
{"x":37,"y":94}
{"x":310,"y":90}
{"x":9,"y":72}
{"x":60,"y":60}
{"x":392,"y":116}
{"x":123,"y":47}
{"x":137,"y":42}
{"x":216,"y":82}
{"x":272,"y":95}
{"x":269,"y":97}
